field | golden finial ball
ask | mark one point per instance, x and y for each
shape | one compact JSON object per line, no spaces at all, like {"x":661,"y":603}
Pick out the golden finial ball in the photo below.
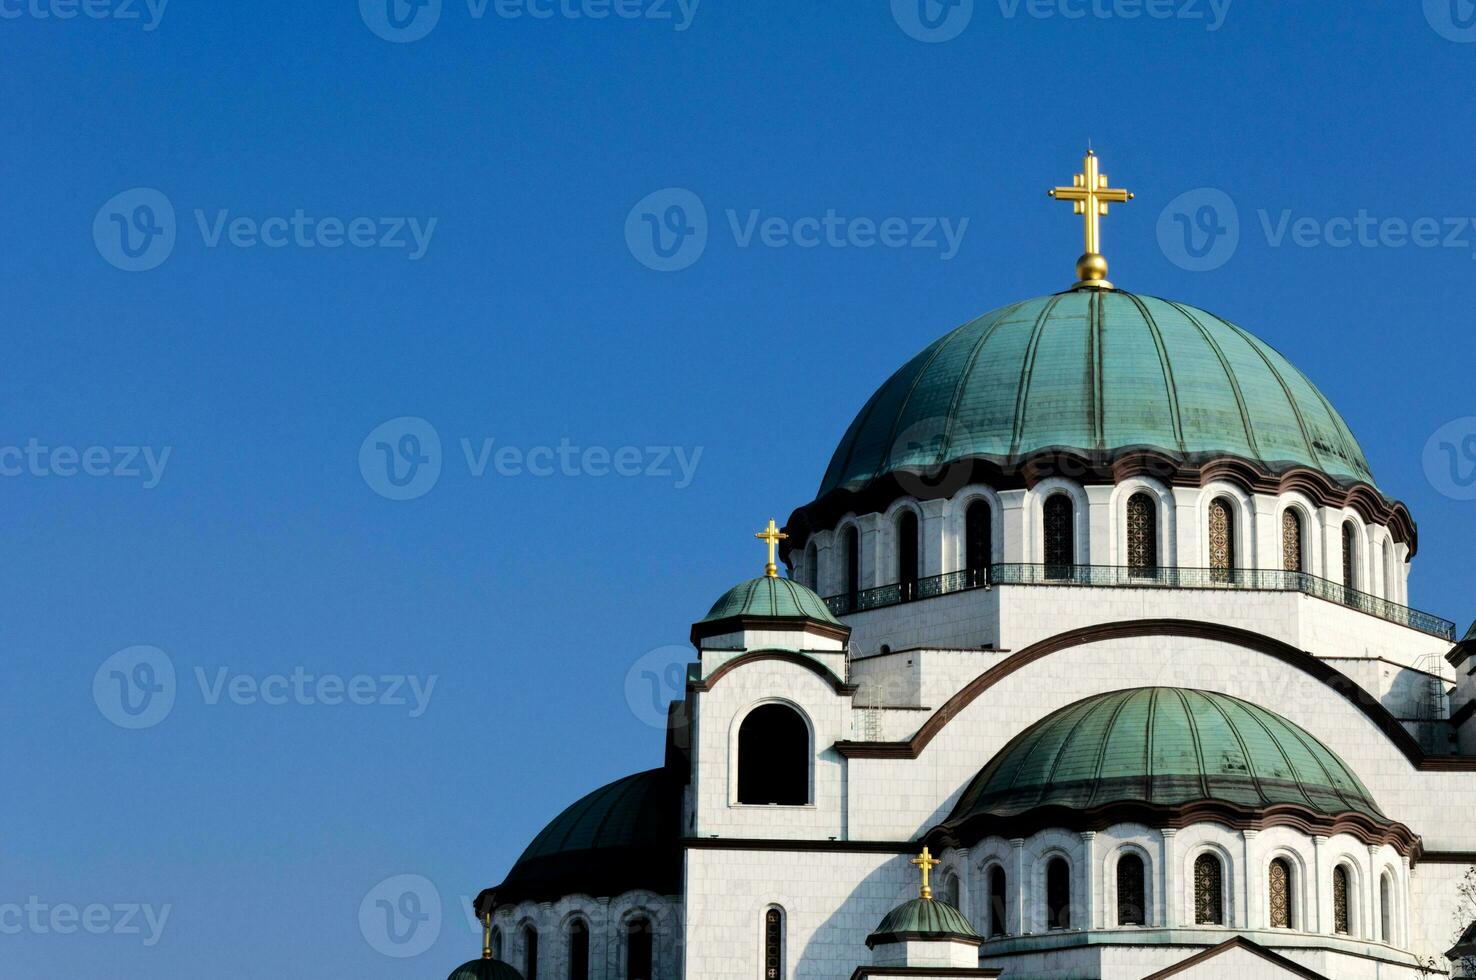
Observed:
{"x":1091,"y":267}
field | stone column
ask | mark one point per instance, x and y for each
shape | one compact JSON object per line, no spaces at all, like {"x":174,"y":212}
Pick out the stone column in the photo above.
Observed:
{"x":1089,"y":880}
{"x":1016,"y":882}
{"x":869,"y":532}
{"x":1251,"y":888}
{"x":1188,"y":529}
{"x":934,"y":531}
{"x":1372,"y":905}
{"x":1101,"y":542}
{"x":1320,"y":871}
{"x":1169,"y":859}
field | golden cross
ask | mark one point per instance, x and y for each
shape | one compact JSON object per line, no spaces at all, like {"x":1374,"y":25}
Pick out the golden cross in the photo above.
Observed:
{"x":772,"y":535}
{"x":1089,"y":196}
{"x":927,"y":863}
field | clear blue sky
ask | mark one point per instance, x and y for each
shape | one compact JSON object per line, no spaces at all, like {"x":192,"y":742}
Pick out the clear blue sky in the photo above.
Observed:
{"x":528,"y":320}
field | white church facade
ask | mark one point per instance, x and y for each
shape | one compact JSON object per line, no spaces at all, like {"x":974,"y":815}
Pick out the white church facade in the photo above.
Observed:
{"x":1100,"y":603}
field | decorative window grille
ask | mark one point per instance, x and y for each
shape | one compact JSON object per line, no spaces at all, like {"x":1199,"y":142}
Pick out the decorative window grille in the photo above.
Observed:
{"x":1341,"y":923}
{"x":1350,"y":576}
{"x":1209,"y":896}
{"x":1291,"y":541}
{"x":1130,"y":891}
{"x":1280,"y":880}
{"x":1060,"y":536}
{"x":1221,"y":536}
{"x":1142,"y":534}
{"x":773,"y":945}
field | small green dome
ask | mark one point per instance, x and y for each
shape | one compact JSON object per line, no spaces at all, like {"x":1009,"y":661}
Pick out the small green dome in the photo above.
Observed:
{"x":770,"y":598}
{"x":621,"y":837}
{"x":1165,"y":747}
{"x":925,"y":919}
{"x":1102,"y":373}
{"x":485,"y":970}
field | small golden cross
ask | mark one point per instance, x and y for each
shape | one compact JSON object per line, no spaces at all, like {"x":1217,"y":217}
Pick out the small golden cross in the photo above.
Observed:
{"x":772,"y":535}
{"x":927,"y":863}
{"x":487,"y":935}
{"x":1089,"y":196}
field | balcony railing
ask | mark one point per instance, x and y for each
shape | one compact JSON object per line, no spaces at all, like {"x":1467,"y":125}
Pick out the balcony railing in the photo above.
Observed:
{"x":1123,"y":577}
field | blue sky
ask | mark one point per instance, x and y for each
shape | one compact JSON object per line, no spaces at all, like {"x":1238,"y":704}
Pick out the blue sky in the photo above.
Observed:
{"x":268,"y":573}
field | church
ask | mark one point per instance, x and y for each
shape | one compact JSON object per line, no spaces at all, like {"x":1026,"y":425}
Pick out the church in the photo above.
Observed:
{"x":1094,"y":659}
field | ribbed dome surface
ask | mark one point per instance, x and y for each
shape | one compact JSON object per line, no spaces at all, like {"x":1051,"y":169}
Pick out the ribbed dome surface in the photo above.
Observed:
{"x":620,"y":837}
{"x":485,"y":970}
{"x":922,"y":918}
{"x":1101,"y":373}
{"x":770,"y":597}
{"x":1166,"y":747}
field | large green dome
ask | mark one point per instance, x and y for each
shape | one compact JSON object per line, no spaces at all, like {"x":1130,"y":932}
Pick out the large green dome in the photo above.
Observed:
{"x":1160,"y":747}
{"x":1102,"y":373}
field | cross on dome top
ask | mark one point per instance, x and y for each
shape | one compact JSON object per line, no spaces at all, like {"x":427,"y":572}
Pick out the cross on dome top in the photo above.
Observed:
{"x":1089,"y":196}
{"x":772,"y":536}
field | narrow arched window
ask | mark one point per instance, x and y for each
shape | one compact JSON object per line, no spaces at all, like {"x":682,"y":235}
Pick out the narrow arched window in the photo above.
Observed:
{"x":812,"y":566}
{"x":853,"y":564}
{"x":1350,"y":565}
{"x":1058,"y":894}
{"x":497,"y":944}
{"x":1391,"y":574}
{"x":1131,"y":895}
{"x":1060,"y":535}
{"x":578,"y":950}
{"x":1386,"y":908}
{"x":773,"y":944}
{"x":1291,"y":540}
{"x":1142,"y":534}
{"x":907,"y":558}
{"x":978,"y":541}
{"x":774,"y":757}
{"x":638,"y":949}
{"x":1341,"y":918}
{"x":997,"y":901}
{"x":1279,"y":894}
{"x":530,"y":953}
{"x":1222,"y":538}
{"x":1209,"y":891}
{"x":951,"y":891}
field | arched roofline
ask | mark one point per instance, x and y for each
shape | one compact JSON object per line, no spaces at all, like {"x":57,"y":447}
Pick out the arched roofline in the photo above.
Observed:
{"x":1335,"y":679}
{"x":786,"y":656}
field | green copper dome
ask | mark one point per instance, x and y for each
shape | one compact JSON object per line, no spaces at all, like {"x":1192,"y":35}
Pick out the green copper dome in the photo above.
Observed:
{"x":485,"y":970}
{"x":1102,"y":373}
{"x":1164,"y":747}
{"x":621,"y":837}
{"x":922,"y":918}
{"x":771,"y":598}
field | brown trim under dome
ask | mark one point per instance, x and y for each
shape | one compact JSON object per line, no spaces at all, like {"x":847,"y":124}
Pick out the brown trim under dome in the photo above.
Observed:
{"x":787,"y":656}
{"x":737,"y":624}
{"x":1188,"y":629}
{"x":1105,"y":469}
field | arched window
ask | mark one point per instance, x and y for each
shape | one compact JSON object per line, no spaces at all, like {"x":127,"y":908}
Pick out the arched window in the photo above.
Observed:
{"x":530,"y":953}
{"x":951,"y":891}
{"x":997,"y":901}
{"x":1060,"y":535}
{"x":1209,"y":891}
{"x":773,"y":944}
{"x":1350,"y":565}
{"x":1058,"y":894}
{"x":1291,"y":540}
{"x":1279,"y":889}
{"x":497,"y":944}
{"x":774,"y":757}
{"x":1391,"y":574}
{"x":1131,"y":910}
{"x":638,"y":949}
{"x":578,"y":950}
{"x":1386,"y":908}
{"x":853,"y":565}
{"x":978,"y":541}
{"x":907,"y":554}
{"x":1341,"y":917}
{"x":1142,"y":534}
{"x":1222,"y":538}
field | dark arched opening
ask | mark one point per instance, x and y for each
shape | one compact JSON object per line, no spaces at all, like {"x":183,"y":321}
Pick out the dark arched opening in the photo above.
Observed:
{"x":1060,"y":536}
{"x":997,"y":902}
{"x":578,"y":950}
{"x":978,"y":542}
{"x":907,"y":554}
{"x":638,"y":949}
{"x":774,"y":757}
{"x":1058,"y":894}
{"x":1131,"y":909}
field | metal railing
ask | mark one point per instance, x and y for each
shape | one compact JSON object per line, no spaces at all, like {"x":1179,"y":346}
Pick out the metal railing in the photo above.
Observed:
{"x":1123,"y":577}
